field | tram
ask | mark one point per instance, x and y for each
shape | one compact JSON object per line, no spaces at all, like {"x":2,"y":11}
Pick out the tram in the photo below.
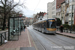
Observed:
{"x":46,"y":26}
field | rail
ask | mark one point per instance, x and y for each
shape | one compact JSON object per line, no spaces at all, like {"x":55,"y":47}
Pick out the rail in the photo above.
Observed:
{"x":3,"y":37}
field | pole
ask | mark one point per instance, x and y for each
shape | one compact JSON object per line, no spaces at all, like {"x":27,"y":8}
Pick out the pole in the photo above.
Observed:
{"x":71,"y":19}
{"x":47,"y":15}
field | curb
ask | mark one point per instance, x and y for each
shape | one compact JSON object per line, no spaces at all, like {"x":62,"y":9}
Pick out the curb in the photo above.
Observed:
{"x":65,"y":35}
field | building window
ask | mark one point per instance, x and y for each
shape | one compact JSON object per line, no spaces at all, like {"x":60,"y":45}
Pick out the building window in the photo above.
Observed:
{"x":67,"y":1}
{"x":67,"y":9}
{"x":70,"y":15}
{"x":71,"y":1}
{"x":69,"y":22}
{"x":70,"y":7}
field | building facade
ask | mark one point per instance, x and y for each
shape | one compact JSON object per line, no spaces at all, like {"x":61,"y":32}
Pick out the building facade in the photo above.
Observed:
{"x":70,"y":11}
{"x":63,"y":9}
{"x":45,"y":17}
{"x":63,"y":12}
{"x":49,"y":10}
{"x":58,"y":8}
{"x":53,"y":9}
{"x":39,"y":16}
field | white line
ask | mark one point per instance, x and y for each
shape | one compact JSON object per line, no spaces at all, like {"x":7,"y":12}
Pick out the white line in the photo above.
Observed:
{"x":29,"y":39}
{"x":35,"y":45}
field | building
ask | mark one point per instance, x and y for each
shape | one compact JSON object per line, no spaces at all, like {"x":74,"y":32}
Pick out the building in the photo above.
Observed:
{"x":53,"y":9}
{"x":34,"y":15}
{"x":63,"y":12}
{"x":49,"y":10}
{"x":28,"y":21}
{"x":58,"y":8}
{"x":45,"y":17}
{"x":70,"y":13}
{"x":38,"y":16}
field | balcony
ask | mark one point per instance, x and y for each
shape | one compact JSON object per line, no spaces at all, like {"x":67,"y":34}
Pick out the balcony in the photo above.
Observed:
{"x":58,"y":10}
{"x":66,"y":14}
{"x":67,"y":2}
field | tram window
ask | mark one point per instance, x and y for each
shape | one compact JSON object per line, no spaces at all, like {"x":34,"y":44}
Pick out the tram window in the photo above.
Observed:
{"x":47,"y":25}
{"x":42,"y":25}
{"x":52,"y":25}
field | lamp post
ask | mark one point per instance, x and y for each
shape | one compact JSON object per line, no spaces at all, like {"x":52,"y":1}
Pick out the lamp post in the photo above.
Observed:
{"x":71,"y":19}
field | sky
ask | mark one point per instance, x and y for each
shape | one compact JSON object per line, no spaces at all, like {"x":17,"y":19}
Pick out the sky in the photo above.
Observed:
{"x":34,"y":6}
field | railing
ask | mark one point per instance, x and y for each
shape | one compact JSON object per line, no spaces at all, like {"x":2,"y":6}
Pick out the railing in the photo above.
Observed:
{"x":58,"y":10}
{"x":3,"y":37}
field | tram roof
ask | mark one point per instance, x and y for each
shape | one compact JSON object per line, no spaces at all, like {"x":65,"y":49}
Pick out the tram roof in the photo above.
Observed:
{"x":43,"y":20}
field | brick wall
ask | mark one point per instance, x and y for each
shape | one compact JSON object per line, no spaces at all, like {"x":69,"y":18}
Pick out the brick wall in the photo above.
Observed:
{"x":58,"y":3}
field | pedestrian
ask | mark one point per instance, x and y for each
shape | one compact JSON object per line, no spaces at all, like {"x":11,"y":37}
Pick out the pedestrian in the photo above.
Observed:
{"x":61,"y":28}
{"x":24,"y":27}
{"x":21,"y":28}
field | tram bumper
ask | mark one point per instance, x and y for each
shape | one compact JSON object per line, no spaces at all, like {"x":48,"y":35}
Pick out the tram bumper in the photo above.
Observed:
{"x":52,"y":31}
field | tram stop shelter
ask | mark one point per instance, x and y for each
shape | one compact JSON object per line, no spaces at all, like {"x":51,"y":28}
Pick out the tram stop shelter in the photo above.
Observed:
{"x":15,"y":25}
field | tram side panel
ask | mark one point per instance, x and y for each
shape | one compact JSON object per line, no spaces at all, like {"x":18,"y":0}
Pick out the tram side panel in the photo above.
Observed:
{"x":47,"y":26}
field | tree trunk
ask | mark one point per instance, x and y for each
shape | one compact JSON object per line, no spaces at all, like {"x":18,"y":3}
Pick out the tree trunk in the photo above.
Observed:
{"x":4,"y":21}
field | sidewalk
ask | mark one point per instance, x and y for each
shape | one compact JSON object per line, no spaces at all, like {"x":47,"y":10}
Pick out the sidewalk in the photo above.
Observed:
{"x":25,"y":40}
{"x":66,"y":34}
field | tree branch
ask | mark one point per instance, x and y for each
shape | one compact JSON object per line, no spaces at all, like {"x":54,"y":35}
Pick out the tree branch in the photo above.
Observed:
{"x":2,"y":2}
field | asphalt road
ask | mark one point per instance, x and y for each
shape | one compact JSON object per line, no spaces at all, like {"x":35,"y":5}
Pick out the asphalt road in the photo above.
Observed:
{"x":51,"y":42}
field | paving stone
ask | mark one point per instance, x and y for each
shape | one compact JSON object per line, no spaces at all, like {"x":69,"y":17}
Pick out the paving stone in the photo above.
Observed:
{"x":27,"y":48}
{"x":24,"y":41}
{"x":12,"y":49}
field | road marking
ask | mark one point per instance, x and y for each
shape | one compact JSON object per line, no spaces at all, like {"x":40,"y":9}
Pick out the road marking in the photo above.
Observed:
{"x":29,"y":39}
{"x":34,"y":44}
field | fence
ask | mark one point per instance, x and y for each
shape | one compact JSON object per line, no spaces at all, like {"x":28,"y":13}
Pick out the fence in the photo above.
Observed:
{"x":3,"y":37}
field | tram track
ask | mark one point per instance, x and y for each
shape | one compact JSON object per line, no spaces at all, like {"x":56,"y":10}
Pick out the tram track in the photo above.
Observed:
{"x":55,"y":42}
{"x":38,"y":41}
{"x":52,"y":41}
{"x":49,"y":39}
{"x":63,"y":40}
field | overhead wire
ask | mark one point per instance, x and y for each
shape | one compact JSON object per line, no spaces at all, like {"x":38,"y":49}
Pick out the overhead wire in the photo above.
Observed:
{"x":37,"y":5}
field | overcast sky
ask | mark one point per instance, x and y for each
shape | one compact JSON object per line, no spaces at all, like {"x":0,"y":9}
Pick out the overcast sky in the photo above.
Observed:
{"x":34,"y":6}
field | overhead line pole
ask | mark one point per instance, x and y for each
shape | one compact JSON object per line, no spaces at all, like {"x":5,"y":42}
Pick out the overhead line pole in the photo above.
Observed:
{"x":71,"y":19}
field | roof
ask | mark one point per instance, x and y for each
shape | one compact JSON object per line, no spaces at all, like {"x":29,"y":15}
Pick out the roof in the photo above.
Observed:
{"x":42,"y":20}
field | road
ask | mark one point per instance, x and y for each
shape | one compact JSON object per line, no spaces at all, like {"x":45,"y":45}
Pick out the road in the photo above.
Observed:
{"x":51,"y":42}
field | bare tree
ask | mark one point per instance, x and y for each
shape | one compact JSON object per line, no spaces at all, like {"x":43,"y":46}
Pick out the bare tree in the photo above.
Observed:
{"x":7,"y":6}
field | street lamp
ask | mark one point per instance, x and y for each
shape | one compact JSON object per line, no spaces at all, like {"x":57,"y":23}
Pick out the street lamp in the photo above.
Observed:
{"x":72,"y":19}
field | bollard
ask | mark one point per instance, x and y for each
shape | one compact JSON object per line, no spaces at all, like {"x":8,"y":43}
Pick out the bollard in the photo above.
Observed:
{"x":5,"y":41}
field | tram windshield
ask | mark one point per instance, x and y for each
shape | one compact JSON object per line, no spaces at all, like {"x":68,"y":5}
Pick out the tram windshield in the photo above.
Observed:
{"x":52,"y":25}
